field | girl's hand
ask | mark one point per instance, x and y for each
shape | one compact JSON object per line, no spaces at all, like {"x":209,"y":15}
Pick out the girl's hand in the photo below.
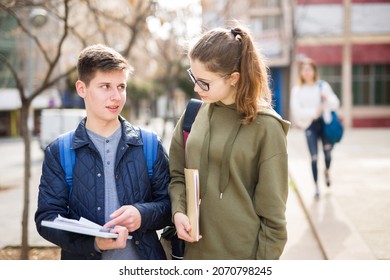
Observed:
{"x":183,"y":227}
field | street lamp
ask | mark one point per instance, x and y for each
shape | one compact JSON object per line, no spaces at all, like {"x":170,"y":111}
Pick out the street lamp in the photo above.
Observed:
{"x":38,"y":17}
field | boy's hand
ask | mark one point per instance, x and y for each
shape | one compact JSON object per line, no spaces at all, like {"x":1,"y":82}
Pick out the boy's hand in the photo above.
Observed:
{"x":127,"y":216}
{"x":113,"y":243}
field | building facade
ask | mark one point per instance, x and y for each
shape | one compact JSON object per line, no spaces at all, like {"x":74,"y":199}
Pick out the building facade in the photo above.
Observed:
{"x":22,"y":53}
{"x":270,"y":25}
{"x":349,"y":40}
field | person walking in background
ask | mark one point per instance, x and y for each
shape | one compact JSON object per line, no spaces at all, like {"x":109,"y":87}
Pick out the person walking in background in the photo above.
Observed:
{"x":111,"y":186}
{"x":238,"y":144}
{"x":311,"y":100}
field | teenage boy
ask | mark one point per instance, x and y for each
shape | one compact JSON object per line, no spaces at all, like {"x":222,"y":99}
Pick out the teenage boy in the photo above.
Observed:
{"x":111,"y":185}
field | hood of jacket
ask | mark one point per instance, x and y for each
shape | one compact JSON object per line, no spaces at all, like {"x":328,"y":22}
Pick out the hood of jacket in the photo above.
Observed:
{"x":271,"y":112}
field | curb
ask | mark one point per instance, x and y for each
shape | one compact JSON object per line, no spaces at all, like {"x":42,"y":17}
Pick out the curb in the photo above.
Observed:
{"x":308,"y":216}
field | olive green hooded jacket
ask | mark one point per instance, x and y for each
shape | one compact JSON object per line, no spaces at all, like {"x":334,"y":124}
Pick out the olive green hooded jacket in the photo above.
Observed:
{"x":243,"y":172}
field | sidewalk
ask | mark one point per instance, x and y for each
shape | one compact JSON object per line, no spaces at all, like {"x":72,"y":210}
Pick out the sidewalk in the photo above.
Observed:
{"x":351,"y":219}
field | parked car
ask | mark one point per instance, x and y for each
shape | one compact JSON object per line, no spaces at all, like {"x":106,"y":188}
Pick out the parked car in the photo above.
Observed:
{"x":55,"y":122}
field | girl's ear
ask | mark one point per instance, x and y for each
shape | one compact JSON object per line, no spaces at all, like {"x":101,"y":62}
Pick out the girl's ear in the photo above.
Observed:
{"x":234,"y":77}
{"x":81,"y":88}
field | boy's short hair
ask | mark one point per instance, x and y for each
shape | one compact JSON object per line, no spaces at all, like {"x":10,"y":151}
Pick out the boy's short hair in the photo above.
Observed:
{"x":100,"y":58}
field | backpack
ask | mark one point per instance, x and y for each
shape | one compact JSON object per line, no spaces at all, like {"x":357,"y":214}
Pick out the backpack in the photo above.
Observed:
{"x":68,"y":155}
{"x":169,"y":235}
{"x":333,"y":130}
{"x":189,"y":117}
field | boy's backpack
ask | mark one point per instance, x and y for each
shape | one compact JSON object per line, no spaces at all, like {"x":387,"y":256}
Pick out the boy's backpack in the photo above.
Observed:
{"x":68,"y":155}
{"x":169,"y":234}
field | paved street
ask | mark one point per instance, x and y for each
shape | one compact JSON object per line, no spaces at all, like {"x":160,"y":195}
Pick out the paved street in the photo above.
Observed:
{"x":351,"y":220}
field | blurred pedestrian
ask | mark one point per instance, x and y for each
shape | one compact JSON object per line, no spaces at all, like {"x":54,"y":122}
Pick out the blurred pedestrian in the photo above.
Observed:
{"x":312,"y":100}
{"x":111,"y":185}
{"x":238,"y":144}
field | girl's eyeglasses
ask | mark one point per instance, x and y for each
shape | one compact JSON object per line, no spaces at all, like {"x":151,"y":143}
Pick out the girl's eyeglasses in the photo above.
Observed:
{"x":203,"y":85}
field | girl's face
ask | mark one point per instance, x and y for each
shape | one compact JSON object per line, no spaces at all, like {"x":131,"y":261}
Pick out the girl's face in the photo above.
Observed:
{"x":219,"y":87}
{"x":307,"y":73}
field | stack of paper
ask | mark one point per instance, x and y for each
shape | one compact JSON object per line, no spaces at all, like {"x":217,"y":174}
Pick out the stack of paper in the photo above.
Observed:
{"x":82,"y":226}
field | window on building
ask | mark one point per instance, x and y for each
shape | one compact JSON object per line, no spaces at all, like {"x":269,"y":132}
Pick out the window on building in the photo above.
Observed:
{"x":265,"y":3}
{"x":371,"y":85}
{"x":6,"y":78}
{"x":4,"y":123}
{"x":267,"y":34}
{"x":266,"y":23}
{"x":332,"y":74}
{"x":7,"y":49}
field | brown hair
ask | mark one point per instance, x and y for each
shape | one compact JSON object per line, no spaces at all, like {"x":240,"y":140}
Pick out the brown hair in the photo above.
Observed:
{"x":100,"y":58}
{"x":312,"y":64}
{"x":226,"y":51}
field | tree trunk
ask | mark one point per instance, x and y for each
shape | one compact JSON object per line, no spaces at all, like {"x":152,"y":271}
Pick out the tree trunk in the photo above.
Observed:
{"x":27,"y":174}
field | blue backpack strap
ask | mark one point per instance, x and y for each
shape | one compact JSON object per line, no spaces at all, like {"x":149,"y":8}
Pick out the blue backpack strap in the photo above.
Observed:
{"x":67,"y":156}
{"x":320,"y":84}
{"x":150,"y":141}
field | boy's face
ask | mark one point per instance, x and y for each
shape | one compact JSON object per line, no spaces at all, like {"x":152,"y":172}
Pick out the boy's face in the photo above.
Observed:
{"x":105,"y":95}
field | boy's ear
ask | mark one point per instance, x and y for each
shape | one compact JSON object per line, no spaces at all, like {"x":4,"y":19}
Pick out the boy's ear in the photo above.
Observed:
{"x":81,"y":88}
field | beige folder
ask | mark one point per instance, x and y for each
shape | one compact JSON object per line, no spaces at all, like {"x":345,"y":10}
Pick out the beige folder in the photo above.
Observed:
{"x":193,"y":200}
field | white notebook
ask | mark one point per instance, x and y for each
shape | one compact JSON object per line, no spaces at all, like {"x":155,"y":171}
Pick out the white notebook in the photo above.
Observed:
{"x":82,"y":226}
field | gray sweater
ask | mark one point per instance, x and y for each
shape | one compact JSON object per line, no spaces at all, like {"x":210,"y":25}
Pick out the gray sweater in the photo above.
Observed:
{"x":107,"y":148}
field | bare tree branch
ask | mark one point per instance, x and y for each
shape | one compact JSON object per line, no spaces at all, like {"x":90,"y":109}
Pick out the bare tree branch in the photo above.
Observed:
{"x":54,"y":62}
{"x":18,"y":82}
{"x":26,"y":31}
{"x":97,"y":17}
